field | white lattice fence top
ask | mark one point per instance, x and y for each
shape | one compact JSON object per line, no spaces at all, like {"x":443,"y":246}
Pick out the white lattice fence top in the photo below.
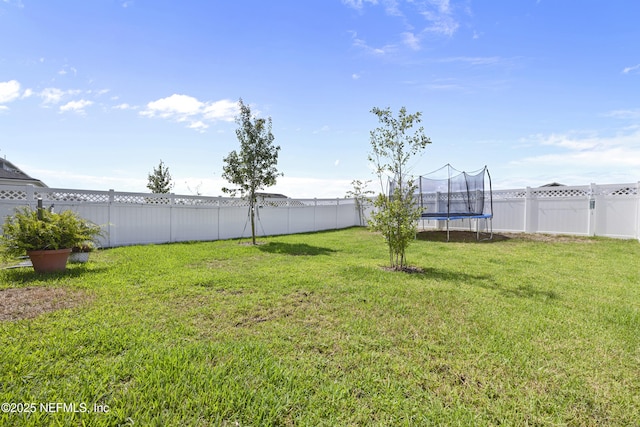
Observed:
{"x":429,"y":196}
{"x":72,"y":196}
{"x":234,"y":203}
{"x":325,"y":202}
{"x":619,"y":190}
{"x":273,"y":203}
{"x":508,"y":194}
{"x":195,"y":201}
{"x":560,"y":192}
{"x":303,"y":202}
{"x":11,"y":194}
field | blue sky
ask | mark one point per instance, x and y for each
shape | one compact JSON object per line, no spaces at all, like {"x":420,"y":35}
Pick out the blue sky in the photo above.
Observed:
{"x":94,"y":93}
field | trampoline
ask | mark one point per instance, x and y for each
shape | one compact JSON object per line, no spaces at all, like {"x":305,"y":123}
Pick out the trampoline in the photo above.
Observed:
{"x":448,"y":194}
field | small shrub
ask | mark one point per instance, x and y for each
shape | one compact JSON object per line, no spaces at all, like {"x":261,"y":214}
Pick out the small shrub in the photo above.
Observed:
{"x":25,"y":231}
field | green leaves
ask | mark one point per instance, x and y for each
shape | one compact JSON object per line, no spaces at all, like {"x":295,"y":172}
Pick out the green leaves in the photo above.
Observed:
{"x":392,"y":147}
{"x":253,"y":168}
{"x":160,"y":180}
{"x":23,"y":231}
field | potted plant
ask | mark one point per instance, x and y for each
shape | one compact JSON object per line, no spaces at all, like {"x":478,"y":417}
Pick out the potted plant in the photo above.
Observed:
{"x":46,"y":237}
{"x":81,"y":253}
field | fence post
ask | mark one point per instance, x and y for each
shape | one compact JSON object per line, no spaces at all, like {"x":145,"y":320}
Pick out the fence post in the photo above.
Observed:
{"x":288,"y":216}
{"x":111,"y":241}
{"x":218,"y":221}
{"x":171,"y":227}
{"x":593,"y":206}
{"x":528,"y":211}
{"x":315,"y":207}
{"x":30,"y":195}
{"x":439,"y":223}
{"x":638,"y":211}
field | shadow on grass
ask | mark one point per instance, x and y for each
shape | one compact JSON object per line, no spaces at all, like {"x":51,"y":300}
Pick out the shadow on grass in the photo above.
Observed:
{"x":452,"y":276}
{"x":295,"y":249}
{"x":487,"y":282}
{"x":26,"y":275}
{"x":460,"y":237}
{"x":528,"y":291}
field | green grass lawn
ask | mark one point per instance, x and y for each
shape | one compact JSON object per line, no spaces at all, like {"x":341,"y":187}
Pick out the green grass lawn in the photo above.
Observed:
{"x":310,"y":330}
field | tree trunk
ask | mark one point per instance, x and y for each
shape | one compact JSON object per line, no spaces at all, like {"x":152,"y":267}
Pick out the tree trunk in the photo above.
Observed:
{"x":253,"y":219}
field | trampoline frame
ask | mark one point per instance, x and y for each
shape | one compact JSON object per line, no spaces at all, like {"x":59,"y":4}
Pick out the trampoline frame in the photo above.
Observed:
{"x":452,"y":216}
{"x":461,"y":217}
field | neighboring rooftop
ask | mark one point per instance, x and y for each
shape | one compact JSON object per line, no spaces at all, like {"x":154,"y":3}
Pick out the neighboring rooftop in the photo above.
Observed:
{"x":271,"y":195}
{"x":10,"y":174}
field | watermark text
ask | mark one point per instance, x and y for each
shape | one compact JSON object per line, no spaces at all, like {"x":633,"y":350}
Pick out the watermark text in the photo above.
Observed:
{"x":52,"y":407}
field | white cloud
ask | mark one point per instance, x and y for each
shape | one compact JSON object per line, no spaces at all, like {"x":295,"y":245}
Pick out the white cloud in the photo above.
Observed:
{"x":474,"y":60}
{"x":358,"y":4}
{"x":184,"y":108}
{"x":76,"y":106}
{"x":302,"y":187}
{"x":362,"y":44}
{"x":224,"y":110}
{"x":590,"y":151}
{"x":123,"y":106}
{"x":9,"y":91}
{"x":52,"y":95}
{"x":199,"y":125}
{"x":16,"y":3}
{"x":442,"y":5}
{"x":66,"y":70}
{"x":443,"y":86}
{"x":442,"y":24}
{"x":355,"y":76}
{"x":173,"y":106}
{"x":100,"y":92}
{"x":324,"y":128}
{"x":64,"y":179}
{"x":634,"y":69}
{"x":625,"y":114}
{"x":410,"y":40}
{"x":438,"y":14}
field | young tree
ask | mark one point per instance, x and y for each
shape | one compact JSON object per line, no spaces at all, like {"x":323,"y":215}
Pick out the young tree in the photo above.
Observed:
{"x":160,"y":180}
{"x":396,"y":212}
{"x":253,"y":168}
{"x":361,"y":195}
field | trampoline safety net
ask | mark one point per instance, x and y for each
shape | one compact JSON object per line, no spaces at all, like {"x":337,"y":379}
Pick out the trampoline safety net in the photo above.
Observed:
{"x":451,"y":194}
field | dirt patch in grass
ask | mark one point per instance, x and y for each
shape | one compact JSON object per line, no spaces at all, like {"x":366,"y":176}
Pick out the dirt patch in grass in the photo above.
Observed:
{"x":550,"y":238}
{"x":406,"y":269}
{"x":250,"y":243}
{"x":460,"y":236}
{"x":27,"y":303}
{"x":471,"y":237}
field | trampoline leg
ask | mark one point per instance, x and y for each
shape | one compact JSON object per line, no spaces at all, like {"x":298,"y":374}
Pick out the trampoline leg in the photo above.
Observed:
{"x":491,"y":226}
{"x":447,"y":229}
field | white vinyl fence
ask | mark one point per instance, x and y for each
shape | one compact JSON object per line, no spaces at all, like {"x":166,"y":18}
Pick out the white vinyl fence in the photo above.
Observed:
{"x":139,"y":218}
{"x":590,"y":210}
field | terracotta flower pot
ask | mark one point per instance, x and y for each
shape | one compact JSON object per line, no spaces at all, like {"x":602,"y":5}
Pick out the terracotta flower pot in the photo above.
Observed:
{"x":49,"y":261}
